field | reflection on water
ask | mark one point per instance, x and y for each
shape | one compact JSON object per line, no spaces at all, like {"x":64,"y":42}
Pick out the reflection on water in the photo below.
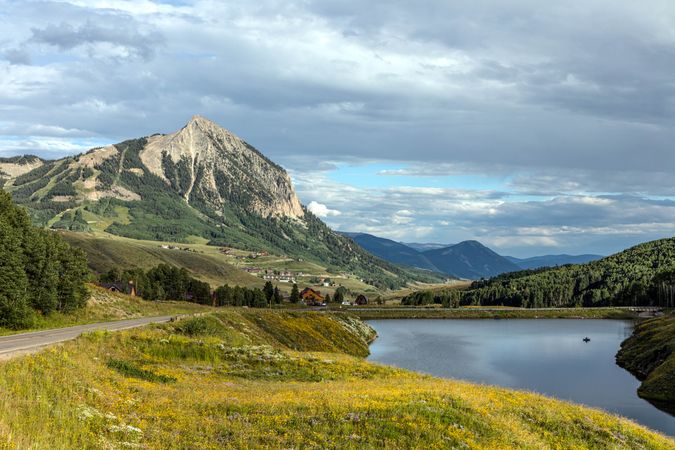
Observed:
{"x":546,"y":356}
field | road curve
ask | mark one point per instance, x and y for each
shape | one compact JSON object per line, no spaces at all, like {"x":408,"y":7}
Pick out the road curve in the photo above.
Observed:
{"x":29,"y":342}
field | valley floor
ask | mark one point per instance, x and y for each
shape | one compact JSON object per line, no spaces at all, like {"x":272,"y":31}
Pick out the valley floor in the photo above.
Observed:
{"x":250,"y":378}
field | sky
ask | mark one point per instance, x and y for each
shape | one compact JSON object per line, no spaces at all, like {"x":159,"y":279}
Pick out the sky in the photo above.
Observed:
{"x":533,"y":127}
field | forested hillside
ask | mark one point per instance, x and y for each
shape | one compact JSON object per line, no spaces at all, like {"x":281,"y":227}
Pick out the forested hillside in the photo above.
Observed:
{"x":39,"y":273}
{"x":469,"y":259}
{"x":641,"y":275}
{"x":392,"y":251}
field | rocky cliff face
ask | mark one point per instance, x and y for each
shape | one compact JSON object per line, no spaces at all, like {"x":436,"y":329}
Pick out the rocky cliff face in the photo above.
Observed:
{"x":18,"y":165}
{"x":207,"y":164}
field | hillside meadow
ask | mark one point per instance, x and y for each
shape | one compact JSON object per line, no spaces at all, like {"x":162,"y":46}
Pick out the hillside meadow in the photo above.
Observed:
{"x":272,"y":379}
{"x":649,"y":355}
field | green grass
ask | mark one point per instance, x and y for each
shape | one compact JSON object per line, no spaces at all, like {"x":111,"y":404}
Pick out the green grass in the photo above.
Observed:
{"x":106,"y":251}
{"x":260,"y":379}
{"x":105,"y":306}
{"x":206,"y":262}
{"x":650,"y":355}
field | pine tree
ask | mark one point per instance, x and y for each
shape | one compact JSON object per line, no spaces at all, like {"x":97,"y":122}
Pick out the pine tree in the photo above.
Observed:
{"x":14,"y":309}
{"x":277,"y":296}
{"x":295,"y":294}
{"x":269,"y":291}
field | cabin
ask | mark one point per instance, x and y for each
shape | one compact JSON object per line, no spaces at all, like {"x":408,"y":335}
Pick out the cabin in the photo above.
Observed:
{"x":129,"y":289}
{"x":311,"y":297}
{"x":112,"y":287}
{"x":361,"y":300}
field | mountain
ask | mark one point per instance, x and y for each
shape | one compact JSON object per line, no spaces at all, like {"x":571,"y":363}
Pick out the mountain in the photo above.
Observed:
{"x":469,"y":259}
{"x":537,"y":262}
{"x":640,"y":275}
{"x":392,"y":251}
{"x":423,"y":247}
{"x":201,"y":183}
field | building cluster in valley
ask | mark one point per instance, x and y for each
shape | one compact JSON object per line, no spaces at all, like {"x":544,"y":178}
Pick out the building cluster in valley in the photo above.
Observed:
{"x":175,"y":247}
{"x":282,"y":276}
{"x":312,"y":297}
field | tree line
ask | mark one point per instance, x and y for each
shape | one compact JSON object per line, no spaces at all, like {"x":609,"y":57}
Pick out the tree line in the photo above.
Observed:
{"x":167,"y":282}
{"x":39,"y":272}
{"x":643,"y":275}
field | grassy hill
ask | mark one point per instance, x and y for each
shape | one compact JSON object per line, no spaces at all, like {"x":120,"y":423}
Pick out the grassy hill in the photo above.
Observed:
{"x":641,"y":275}
{"x":649,"y":354}
{"x":205,"y":262}
{"x":197,"y":383}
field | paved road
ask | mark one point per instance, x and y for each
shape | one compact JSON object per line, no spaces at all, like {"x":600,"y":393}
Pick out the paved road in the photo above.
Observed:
{"x":27,"y":342}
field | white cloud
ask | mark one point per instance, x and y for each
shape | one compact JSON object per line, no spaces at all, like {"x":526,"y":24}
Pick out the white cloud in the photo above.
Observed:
{"x":321,"y":210}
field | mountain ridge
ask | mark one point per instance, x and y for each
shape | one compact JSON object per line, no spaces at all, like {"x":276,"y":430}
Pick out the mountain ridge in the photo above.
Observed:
{"x":537,"y":262}
{"x":469,"y":259}
{"x":391,"y":251}
{"x":200,"y":182}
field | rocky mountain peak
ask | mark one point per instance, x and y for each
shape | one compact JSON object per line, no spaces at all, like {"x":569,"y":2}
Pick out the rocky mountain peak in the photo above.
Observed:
{"x":210,"y":165}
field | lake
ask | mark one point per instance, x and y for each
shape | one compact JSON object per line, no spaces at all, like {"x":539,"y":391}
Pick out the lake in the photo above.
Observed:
{"x":542,"y":355}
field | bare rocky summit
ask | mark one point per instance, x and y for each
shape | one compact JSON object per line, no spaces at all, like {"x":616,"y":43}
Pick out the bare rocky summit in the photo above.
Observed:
{"x":214,"y":165}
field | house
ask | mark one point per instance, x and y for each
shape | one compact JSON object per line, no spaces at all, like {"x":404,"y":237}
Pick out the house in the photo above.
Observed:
{"x":311,"y":297}
{"x":112,"y":287}
{"x":361,"y":300}
{"x":129,"y":289}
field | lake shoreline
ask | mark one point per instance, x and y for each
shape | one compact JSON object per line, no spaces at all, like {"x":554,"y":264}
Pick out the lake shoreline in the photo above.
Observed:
{"x":493,"y":313}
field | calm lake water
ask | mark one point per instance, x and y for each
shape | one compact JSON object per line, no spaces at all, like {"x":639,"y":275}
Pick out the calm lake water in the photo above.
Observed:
{"x":545,"y":356}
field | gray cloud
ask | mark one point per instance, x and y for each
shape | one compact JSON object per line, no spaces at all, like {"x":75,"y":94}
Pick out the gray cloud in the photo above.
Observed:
{"x":122,"y":38}
{"x":567,"y":101}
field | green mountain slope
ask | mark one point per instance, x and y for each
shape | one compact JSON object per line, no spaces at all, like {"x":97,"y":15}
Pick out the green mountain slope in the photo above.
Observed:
{"x":469,"y":259}
{"x":391,"y":251}
{"x":201,"y":182}
{"x":641,"y":275}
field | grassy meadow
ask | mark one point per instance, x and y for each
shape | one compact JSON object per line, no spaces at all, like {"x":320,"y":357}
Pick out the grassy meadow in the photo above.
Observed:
{"x":250,"y":379}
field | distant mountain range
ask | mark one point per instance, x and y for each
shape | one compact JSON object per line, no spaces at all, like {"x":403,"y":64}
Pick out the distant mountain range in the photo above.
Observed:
{"x":423,"y":247}
{"x":537,"y":262}
{"x":468,"y":259}
{"x":392,"y":251}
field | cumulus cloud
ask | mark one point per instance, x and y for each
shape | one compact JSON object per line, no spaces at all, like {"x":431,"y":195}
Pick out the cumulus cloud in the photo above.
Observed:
{"x":321,"y":210}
